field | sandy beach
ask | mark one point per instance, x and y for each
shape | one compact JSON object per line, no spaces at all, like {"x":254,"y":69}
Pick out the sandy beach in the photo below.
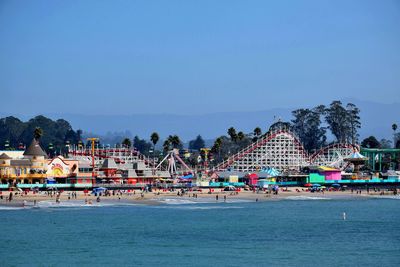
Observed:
{"x":159,"y":196}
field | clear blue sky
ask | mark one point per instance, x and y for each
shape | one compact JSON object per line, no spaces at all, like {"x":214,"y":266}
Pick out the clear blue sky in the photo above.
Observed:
{"x":124,"y":57}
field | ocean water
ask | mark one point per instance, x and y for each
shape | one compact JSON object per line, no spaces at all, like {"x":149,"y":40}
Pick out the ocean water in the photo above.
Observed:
{"x":183,"y":232}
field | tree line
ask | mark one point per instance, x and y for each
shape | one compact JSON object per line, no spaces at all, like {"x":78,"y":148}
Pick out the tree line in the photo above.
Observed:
{"x":311,"y":125}
{"x":53,"y":134}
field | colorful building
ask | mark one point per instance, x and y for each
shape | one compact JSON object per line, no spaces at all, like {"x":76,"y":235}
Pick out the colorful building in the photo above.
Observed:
{"x":321,"y":174}
{"x":30,"y":168}
{"x":72,"y":171}
{"x":330,"y":173}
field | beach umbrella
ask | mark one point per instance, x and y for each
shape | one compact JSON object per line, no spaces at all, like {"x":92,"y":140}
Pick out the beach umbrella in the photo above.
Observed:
{"x":308,"y":185}
{"x":98,"y":189}
{"x":336,"y":185}
{"x":253,"y":176}
{"x":316,"y":185}
{"x":270,"y":171}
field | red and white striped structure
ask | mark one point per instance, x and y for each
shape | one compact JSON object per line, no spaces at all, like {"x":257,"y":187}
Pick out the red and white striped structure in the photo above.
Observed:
{"x":282,"y":150}
{"x":120,"y":155}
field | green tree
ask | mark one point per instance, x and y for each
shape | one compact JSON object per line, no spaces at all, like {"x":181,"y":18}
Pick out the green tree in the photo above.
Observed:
{"x":353,"y":116}
{"x":338,"y":121}
{"x":127,"y":143}
{"x":37,"y":133}
{"x":370,"y":142}
{"x":307,"y":126}
{"x":240,"y":136}
{"x":394,"y":128}
{"x":232,"y":134}
{"x":344,"y":123}
{"x":58,"y":132}
{"x":141,"y":145}
{"x":154,"y":137}
{"x":257,"y":133}
{"x":217,"y":145}
{"x":175,"y":141}
{"x":11,"y":129}
{"x":280,"y":126}
{"x":166,"y":145}
{"x":197,"y":143}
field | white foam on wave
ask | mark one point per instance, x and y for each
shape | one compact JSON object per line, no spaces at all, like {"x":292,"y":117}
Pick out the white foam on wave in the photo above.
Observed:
{"x":11,"y":208}
{"x":306,"y":198}
{"x":397,"y":197}
{"x":239,"y":201}
{"x":79,"y":204}
{"x":177,"y":201}
{"x":185,"y":201}
{"x":205,"y":207}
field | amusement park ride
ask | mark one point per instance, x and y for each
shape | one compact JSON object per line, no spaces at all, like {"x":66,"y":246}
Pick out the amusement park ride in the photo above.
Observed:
{"x":279,"y":149}
{"x":172,"y":158}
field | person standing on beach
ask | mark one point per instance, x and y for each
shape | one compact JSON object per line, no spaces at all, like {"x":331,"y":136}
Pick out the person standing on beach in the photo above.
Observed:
{"x":216,"y":197}
{"x":10,"y":197}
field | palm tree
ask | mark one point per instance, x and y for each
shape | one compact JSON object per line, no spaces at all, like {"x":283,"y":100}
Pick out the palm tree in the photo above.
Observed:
{"x":394,"y":128}
{"x":232,"y":134}
{"x":154,"y":137}
{"x":240,"y":136}
{"x":217,"y":146}
{"x":79,"y":134}
{"x":174,"y":141}
{"x":37,"y":133}
{"x":127,"y":143}
{"x":257,"y":131}
{"x":166,"y":145}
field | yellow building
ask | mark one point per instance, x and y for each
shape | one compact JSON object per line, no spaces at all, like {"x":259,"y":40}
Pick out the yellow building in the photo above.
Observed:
{"x":29,"y":169}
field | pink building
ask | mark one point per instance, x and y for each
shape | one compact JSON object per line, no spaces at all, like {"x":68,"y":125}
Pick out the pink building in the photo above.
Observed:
{"x":253,"y":178}
{"x":330,"y":173}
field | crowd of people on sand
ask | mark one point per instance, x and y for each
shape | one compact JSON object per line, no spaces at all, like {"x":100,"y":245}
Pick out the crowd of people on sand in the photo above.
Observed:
{"x":186,"y":192}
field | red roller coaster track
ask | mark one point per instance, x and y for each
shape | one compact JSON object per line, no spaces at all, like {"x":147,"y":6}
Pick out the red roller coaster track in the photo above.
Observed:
{"x":282,"y":147}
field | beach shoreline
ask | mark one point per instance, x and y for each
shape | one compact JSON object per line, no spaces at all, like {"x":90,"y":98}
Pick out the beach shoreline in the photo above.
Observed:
{"x":159,"y":197}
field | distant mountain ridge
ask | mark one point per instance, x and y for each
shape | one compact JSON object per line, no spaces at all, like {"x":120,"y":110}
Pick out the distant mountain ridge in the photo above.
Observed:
{"x":376,"y":119}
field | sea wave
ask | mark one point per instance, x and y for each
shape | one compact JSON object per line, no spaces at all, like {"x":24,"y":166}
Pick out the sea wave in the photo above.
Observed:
{"x":185,"y":201}
{"x":306,"y":198}
{"x":80,"y":204}
{"x":11,"y":208}
{"x":397,"y":197}
{"x":206,"y":207}
{"x":177,"y":201}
